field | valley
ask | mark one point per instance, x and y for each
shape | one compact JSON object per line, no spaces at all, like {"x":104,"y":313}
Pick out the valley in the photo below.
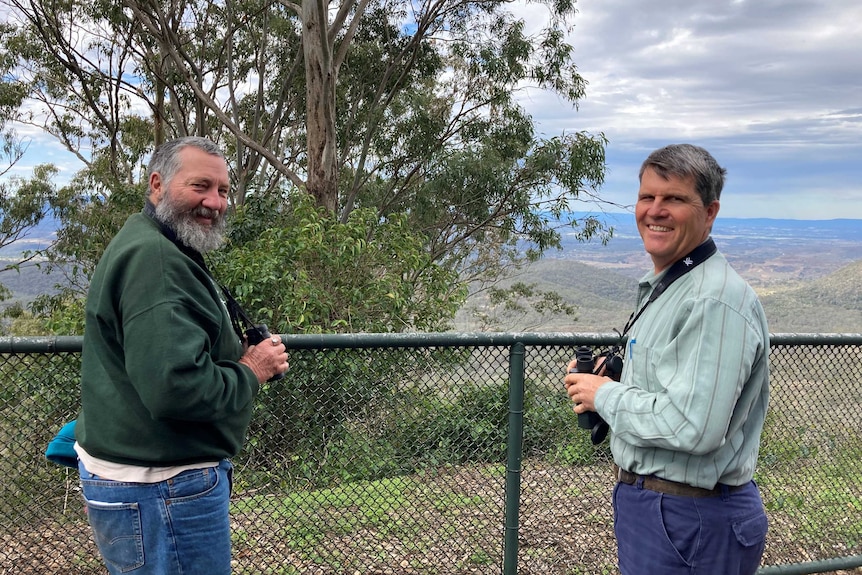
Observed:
{"x":807,"y":275}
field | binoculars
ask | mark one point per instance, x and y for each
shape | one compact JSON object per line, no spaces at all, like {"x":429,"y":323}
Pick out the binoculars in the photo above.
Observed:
{"x":257,"y":334}
{"x":586,"y":363}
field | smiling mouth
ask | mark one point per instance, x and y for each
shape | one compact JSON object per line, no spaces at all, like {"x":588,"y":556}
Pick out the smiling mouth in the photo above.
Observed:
{"x":206,"y":215}
{"x":656,"y":228}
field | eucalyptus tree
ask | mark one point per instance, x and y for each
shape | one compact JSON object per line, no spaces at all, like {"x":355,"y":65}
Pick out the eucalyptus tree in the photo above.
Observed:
{"x":407,"y":109}
{"x":24,"y":200}
{"x":12,"y":94}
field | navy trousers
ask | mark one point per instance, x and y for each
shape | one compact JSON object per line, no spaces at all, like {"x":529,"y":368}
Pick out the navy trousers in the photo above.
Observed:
{"x":659,"y":534}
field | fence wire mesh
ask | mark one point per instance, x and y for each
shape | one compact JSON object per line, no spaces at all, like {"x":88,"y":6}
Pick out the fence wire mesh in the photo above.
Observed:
{"x":378,"y":460}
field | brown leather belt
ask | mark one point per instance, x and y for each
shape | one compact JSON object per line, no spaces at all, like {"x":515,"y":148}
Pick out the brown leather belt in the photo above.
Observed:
{"x":668,"y":487}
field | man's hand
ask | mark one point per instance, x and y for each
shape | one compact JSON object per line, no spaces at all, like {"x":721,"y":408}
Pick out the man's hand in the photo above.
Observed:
{"x":266,"y":359}
{"x":582,"y":387}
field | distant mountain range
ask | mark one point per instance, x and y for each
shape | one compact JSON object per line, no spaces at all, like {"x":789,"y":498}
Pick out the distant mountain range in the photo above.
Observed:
{"x":768,"y":228}
{"x":807,"y":272}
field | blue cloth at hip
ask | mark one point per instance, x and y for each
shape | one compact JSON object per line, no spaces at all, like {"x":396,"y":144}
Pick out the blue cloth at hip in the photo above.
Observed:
{"x":61,"y":449}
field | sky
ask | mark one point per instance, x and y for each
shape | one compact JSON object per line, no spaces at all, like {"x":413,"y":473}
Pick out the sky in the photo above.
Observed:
{"x":772,"y":88}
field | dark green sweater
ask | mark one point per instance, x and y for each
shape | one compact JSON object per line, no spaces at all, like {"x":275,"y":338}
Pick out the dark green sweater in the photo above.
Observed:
{"x":160,"y":380}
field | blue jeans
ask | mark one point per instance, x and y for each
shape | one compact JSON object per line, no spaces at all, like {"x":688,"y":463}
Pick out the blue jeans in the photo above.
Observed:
{"x":672,"y":535}
{"x":177,"y":526}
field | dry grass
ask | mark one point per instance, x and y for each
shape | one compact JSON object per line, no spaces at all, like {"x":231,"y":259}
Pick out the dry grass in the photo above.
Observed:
{"x":445,"y":523}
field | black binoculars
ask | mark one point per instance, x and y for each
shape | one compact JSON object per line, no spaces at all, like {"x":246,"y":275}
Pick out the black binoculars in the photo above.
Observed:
{"x":257,"y":334}
{"x":586,"y":363}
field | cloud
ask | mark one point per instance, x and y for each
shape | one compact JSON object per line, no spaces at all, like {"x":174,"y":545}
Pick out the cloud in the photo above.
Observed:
{"x":772,"y":88}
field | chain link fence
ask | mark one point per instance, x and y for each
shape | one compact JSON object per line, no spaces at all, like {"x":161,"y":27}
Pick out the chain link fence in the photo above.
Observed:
{"x":403,"y":454}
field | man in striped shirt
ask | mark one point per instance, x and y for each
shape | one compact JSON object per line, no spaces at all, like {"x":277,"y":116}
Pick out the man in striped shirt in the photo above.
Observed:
{"x":688,"y":411}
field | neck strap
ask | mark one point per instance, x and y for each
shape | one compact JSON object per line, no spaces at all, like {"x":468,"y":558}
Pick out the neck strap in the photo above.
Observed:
{"x":681,"y":267}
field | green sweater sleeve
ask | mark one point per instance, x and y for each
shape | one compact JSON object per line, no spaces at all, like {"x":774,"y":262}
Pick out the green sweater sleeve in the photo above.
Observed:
{"x":179,"y":350}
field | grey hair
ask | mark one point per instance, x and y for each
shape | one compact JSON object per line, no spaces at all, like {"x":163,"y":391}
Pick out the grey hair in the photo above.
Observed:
{"x":166,"y":160}
{"x":688,"y":161}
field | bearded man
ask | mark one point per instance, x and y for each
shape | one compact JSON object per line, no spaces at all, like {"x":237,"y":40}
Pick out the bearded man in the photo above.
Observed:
{"x":167,"y":383}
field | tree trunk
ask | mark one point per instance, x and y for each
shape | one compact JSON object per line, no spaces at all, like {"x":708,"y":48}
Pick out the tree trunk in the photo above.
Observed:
{"x":320,"y":117}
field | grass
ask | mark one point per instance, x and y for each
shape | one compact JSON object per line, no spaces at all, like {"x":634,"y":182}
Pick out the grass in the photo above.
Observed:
{"x":358,"y":524}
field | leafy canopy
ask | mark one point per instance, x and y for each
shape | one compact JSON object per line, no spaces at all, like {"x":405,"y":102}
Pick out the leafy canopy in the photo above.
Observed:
{"x":400,"y":121}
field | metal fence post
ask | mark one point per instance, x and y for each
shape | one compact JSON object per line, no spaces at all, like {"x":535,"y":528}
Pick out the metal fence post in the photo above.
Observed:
{"x":513,"y":463}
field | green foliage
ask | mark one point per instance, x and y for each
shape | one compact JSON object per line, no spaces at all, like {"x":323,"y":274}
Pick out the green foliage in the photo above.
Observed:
{"x":13,"y":92}
{"x":58,"y":315}
{"x":308,"y":273}
{"x":24,"y":203}
{"x":426,"y":431}
{"x":469,"y":427}
{"x":824,"y":508}
{"x":328,"y":395}
{"x":422,"y":136}
{"x":510,"y":307}
{"x":339,"y":423}
{"x":18,"y":321}
{"x":472,"y":426}
{"x":351,"y":420}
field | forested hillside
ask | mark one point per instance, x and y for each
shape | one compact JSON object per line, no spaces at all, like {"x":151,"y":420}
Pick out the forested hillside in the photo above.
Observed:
{"x":604,"y":296}
{"x":605,"y":299}
{"x":829,"y":304}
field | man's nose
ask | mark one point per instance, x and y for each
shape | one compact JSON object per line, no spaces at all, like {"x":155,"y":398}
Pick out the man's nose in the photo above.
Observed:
{"x":658,"y":207}
{"x":214,"y":201}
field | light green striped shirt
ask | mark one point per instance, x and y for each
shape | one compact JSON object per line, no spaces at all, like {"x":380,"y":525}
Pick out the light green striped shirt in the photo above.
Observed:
{"x":693,"y":394}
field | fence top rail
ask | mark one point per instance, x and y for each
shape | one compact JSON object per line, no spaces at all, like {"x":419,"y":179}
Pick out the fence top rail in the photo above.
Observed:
{"x":42,"y":344}
{"x":446,"y":339}
{"x":74,"y":343}
{"x":815,"y":339}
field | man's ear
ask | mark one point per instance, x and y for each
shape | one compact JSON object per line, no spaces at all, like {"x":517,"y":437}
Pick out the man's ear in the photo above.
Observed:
{"x":712,"y":212}
{"x":156,"y":188}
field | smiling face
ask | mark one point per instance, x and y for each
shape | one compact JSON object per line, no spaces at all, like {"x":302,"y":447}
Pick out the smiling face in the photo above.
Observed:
{"x":671,"y":217}
{"x":194,"y":200}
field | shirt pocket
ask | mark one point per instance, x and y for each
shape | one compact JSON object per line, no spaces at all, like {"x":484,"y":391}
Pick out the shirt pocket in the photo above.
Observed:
{"x":640,"y":368}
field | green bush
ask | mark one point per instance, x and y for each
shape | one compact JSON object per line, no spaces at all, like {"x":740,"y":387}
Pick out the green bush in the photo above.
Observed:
{"x":360,"y":418}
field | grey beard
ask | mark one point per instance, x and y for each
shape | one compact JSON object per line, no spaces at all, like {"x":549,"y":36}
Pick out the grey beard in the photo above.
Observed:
{"x":200,"y":238}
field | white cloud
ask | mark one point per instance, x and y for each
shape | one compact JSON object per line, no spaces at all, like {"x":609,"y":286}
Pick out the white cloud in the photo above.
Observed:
{"x":772,"y":88}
